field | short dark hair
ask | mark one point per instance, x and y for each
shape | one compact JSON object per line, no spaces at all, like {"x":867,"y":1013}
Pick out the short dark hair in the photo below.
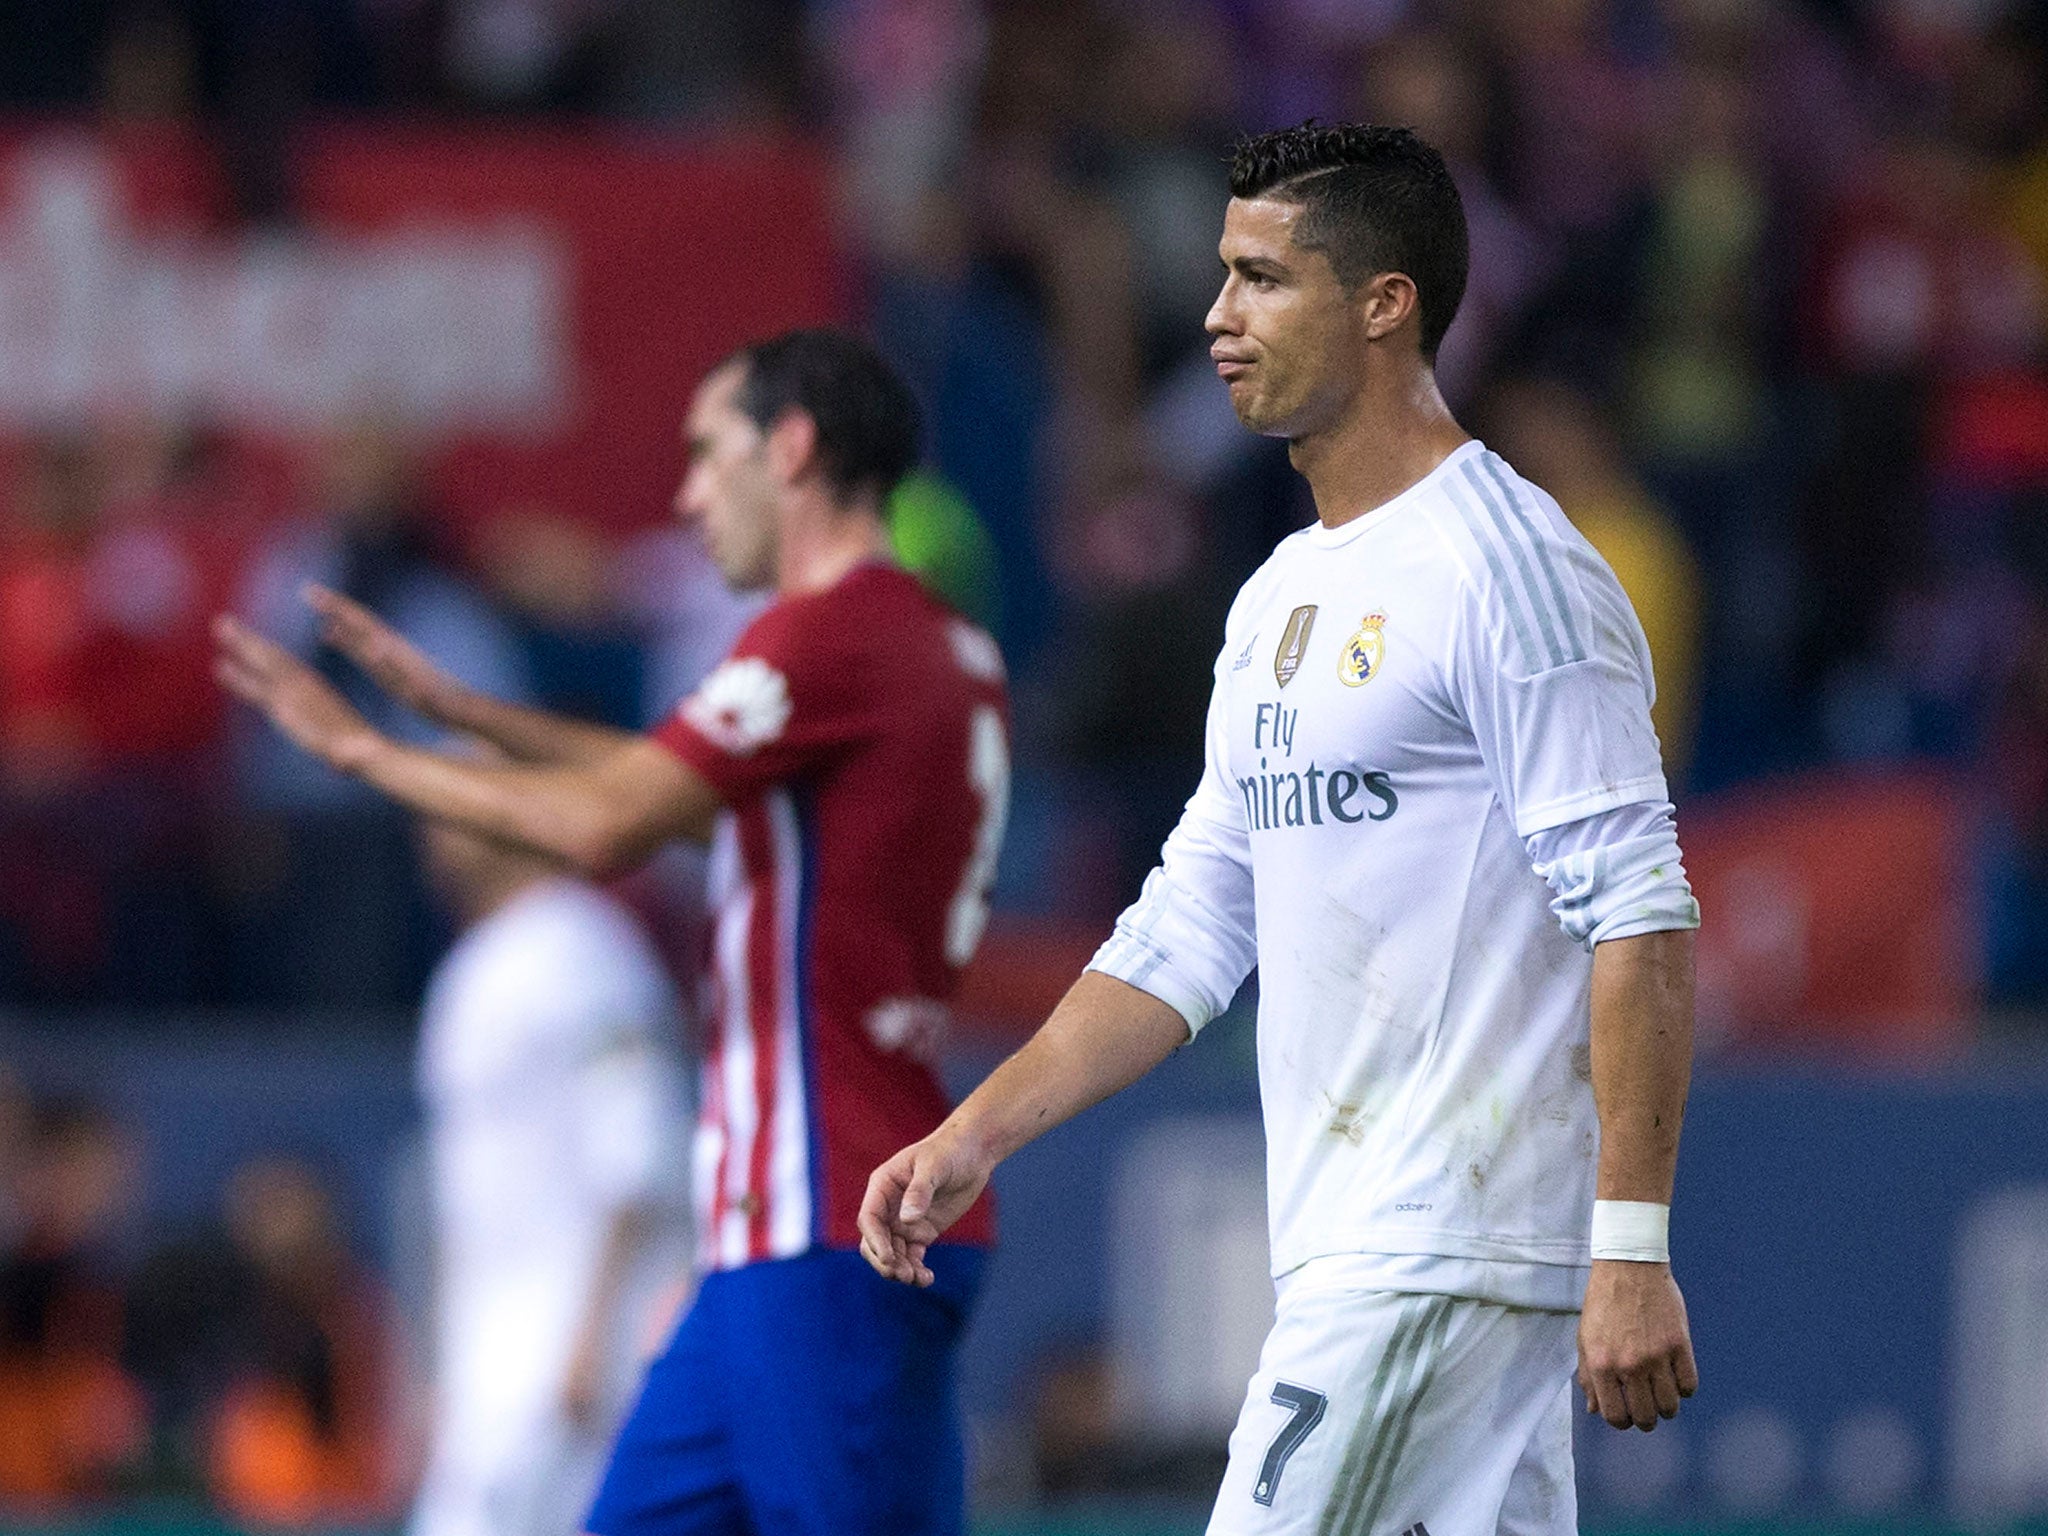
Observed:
{"x":867,"y":418}
{"x":1373,"y":200}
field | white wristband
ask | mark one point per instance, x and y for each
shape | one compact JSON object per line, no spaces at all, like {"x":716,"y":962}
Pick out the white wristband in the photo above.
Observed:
{"x":1638,"y":1230}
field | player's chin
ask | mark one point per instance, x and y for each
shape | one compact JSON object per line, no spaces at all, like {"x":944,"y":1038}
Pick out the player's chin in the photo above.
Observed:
{"x":1257,"y":414}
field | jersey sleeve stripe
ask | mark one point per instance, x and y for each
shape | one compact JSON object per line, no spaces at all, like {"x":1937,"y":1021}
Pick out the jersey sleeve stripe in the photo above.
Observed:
{"x":786,"y":1191}
{"x":1510,"y":598}
{"x":727,"y":1235}
{"x":1515,"y":537}
{"x":764,"y":971}
{"x":807,"y":1031}
{"x":1519,"y":506}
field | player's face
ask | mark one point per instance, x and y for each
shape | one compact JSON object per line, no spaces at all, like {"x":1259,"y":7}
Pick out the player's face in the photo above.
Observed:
{"x":727,"y":490}
{"x":1286,"y":337}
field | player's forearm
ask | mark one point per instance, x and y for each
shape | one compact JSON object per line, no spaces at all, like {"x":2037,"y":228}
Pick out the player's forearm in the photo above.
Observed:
{"x":1642,"y":1060}
{"x":1104,"y":1035}
{"x":626,"y":1234}
{"x":525,"y":735}
{"x":545,"y":810}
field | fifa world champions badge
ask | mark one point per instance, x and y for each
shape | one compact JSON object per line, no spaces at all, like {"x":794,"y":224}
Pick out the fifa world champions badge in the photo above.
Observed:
{"x":1359,"y":662}
{"x":1293,"y":641}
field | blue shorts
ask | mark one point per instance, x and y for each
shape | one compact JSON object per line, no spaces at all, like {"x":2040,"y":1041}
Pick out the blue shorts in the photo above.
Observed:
{"x":800,"y":1397}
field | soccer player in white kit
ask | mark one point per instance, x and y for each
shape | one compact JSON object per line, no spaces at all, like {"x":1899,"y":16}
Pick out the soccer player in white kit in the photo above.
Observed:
{"x":551,"y":1069}
{"x":1432,"y":813}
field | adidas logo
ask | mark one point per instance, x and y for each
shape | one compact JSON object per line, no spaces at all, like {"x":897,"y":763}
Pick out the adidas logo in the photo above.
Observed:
{"x":1244,"y":657}
{"x":1417,"y":1529}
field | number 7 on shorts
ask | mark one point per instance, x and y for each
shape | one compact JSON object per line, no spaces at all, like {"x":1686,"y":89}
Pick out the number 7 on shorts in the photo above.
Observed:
{"x":1306,"y":1413}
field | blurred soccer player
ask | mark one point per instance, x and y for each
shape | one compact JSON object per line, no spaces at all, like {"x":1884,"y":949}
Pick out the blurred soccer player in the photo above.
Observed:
{"x":1430,"y":723}
{"x":555,"y":1102}
{"x":853,"y":757}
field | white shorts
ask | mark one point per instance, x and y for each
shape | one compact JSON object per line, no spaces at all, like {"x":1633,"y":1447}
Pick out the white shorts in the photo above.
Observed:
{"x":1384,"y":1413}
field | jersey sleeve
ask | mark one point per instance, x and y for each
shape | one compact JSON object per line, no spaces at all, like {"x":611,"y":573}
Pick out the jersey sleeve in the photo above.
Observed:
{"x":789,"y":694}
{"x":1549,"y":668}
{"x":1190,"y":938}
{"x":1616,"y":874}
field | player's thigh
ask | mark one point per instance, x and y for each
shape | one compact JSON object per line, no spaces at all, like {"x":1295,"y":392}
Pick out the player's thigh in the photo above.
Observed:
{"x":671,"y":1470}
{"x":848,"y":1422}
{"x":1543,"y":1495}
{"x":1373,"y":1412}
{"x":541,"y":1486}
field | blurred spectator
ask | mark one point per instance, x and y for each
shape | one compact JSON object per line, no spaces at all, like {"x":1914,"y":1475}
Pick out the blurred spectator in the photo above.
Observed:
{"x":1918,"y":290}
{"x":302,"y":1434}
{"x":330,"y":908}
{"x":1147,"y":615}
{"x":902,"y":76}
{"x":1427,"y":80}
{"x":555,"y":1098}
{"x":112,"y":560}
{"x":48,"y":733}
{"x":1574,"y":148}
{"x":554,"y":577}
{"x":370,"y":532}
{"x":71,"y":1422}
{"x":1166,"y":109}
{"x":1556,"y":437}
{"x":16,"y":1123}
{"x":262,"y":1348}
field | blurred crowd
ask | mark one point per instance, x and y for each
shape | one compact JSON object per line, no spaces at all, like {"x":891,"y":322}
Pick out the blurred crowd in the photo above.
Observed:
{"x":247,"y":1362}
{"x":1760,"y":293}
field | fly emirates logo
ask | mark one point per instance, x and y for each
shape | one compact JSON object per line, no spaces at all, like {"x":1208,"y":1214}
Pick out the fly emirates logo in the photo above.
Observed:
{"x":1284,"y":794}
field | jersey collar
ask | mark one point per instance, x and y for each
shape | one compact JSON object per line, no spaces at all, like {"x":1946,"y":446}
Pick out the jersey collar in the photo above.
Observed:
{"x":1333,"y":538}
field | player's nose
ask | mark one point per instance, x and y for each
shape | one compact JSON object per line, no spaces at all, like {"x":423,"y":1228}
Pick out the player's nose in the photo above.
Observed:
{"x":1222,"y":317}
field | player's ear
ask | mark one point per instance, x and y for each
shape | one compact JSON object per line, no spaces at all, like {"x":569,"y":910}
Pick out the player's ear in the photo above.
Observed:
{"x":1387,"y":301}
{"x":792,"y":444}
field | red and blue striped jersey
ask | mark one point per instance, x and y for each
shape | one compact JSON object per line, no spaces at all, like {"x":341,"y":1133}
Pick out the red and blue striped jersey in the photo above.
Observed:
{"x":858,"y":737}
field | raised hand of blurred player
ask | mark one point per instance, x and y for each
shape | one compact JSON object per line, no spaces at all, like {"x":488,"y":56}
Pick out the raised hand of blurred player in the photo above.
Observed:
{"x":913,"y":1198}
{"x":1635,"y":1346}
{"x":301,"y":703}
{"x":390,"y":660}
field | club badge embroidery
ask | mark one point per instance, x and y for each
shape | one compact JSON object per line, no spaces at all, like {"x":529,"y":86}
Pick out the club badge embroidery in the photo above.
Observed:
{"x":1359,"y":662}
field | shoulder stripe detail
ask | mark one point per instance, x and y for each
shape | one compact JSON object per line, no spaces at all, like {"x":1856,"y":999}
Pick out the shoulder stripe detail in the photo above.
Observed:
{"x":1510,"y":599}
{"x":1515,"y":537}
{"x":1516,"y":504}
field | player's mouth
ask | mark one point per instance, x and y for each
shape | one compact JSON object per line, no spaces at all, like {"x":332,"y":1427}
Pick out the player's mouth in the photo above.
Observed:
{"x":1232,"y":368}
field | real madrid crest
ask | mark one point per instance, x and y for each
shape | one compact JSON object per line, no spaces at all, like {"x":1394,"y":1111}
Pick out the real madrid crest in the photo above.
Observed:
{"x":1293,"y":642}
{"x":1359,"y":662}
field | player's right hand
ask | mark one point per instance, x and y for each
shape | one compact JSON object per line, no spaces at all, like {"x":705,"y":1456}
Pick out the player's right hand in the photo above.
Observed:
{"x":913,"y":1198}
{"x":390,"y":660}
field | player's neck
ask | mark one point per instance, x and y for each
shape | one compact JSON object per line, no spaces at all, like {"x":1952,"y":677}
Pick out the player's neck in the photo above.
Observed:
{"x":1396,"y":433}
{"x":821,"y":545}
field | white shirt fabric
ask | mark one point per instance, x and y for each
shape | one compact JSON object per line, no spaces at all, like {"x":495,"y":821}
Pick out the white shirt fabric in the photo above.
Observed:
{"x":550,"y":1065}
{"x":1471,"y":677}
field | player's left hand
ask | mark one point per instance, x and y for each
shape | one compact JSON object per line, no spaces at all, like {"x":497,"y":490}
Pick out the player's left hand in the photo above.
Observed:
{"x":296,"y":699}
{"x":1635,"y":1346}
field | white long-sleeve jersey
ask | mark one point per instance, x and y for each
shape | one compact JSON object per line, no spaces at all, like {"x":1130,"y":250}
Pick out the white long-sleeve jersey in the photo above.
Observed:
{"x":1405,"y":707}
